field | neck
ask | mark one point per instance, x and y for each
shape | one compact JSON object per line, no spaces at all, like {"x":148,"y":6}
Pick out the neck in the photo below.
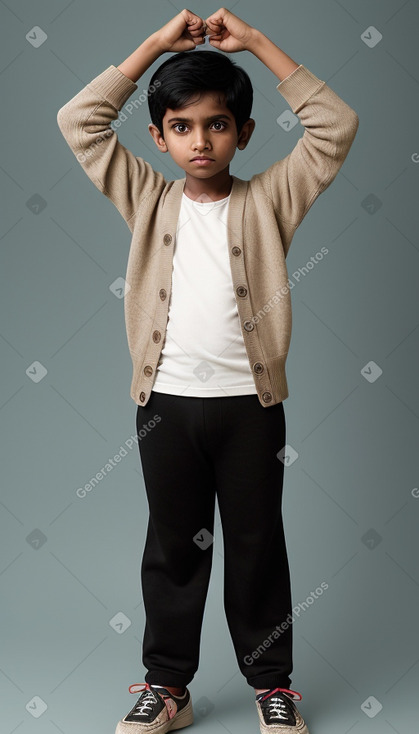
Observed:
{"x":215,"y":188}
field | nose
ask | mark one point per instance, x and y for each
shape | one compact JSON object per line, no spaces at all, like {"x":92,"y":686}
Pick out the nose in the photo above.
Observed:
{"x":200,"y":141}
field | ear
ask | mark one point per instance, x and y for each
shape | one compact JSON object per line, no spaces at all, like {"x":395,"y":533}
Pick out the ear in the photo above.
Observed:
{"x":157,"y":137}
{"x":246,"y":133}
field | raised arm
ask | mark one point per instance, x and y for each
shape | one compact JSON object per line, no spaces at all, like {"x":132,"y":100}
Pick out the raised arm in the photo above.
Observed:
{"x":85,"y":121}
{"x":295,"y":182}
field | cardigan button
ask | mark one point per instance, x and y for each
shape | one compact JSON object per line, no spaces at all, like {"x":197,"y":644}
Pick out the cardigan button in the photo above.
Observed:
{"x":248,"y":325}
{"x":266,"y":397}
{"x":258,"y":368}
{"x":162,"y":294}
{"x":241,"y":291}
{"x":142,"y":396}
{"x":148,"y":370}
{"x":236,"y":251}
{"x":167,"y":239}
{"x":156,"y":336}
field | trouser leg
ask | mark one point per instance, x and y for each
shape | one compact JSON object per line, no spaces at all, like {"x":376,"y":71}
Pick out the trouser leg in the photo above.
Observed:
{"x":257,"y":589}
{"x":175,"y":569}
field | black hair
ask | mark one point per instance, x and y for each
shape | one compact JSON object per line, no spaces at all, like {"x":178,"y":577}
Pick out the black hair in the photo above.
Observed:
{"x":181,"y":77}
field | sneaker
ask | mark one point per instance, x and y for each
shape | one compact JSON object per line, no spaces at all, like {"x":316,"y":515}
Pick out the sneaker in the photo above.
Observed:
{"x":157,"y":711}
{"x":278,"y":713}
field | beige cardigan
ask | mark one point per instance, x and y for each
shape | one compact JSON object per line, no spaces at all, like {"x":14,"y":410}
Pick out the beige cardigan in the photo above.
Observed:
{"x":262,"y":218}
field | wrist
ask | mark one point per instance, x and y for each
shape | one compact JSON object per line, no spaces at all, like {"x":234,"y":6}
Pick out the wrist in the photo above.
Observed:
{"x":155,"y":44}
{"x":256,"y":38}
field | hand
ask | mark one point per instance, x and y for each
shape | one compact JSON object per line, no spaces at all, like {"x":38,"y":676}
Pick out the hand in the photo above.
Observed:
{"x":183,"y":33}
{"x":228,"y":32}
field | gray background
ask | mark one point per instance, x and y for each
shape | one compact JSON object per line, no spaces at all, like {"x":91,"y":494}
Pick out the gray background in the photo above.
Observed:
{"x":69,"y":565}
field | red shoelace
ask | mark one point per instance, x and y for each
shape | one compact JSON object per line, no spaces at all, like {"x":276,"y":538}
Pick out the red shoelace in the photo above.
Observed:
{"x":294,"y":694}
{"x":145,"y":686}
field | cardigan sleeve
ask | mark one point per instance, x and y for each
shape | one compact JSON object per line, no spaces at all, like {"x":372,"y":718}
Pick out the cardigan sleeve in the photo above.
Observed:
{"x":85,"y":122}
{"x":330,"y":125}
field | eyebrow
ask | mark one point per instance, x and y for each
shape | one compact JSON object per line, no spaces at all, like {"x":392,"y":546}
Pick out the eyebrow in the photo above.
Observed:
{"x":187,"y":119}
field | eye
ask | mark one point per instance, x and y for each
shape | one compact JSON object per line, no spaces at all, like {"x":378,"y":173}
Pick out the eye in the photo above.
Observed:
{"x":216,"y":122}
{"x":219,"y":122}
{"x":182,"y":124}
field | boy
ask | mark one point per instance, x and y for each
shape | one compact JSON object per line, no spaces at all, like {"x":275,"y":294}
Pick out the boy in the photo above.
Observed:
{"x":208,"y":315}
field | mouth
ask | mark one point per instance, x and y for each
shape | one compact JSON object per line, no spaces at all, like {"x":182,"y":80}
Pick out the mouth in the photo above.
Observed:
{"x":202,"y":162}
{"x":202,"y":158}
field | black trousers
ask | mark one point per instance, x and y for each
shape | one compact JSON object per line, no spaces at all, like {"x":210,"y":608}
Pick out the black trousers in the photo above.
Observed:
{"x":202,"y":447}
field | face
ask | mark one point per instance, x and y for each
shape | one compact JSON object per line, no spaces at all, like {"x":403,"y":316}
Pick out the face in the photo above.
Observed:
{"x":205,"y":127}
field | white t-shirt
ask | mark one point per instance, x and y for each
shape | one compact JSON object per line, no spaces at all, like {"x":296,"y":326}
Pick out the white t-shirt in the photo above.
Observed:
{"x":204,"y":353}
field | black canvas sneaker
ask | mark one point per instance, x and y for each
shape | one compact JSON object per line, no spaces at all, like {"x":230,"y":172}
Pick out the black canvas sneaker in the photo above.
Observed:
{"x":278,"y":713}
{"x":156,"y":711}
